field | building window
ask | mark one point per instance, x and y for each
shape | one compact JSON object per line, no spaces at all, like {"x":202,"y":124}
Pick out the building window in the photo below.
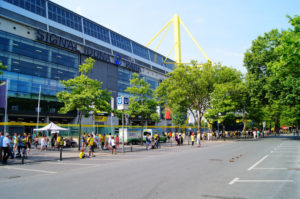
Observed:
{"x":35,"y":6}
{"x":63,"y":16}
{"x":140,"y":50}
{"x":156,"y":58}
{"x":120,"y":41}
{"x":95,"y":30}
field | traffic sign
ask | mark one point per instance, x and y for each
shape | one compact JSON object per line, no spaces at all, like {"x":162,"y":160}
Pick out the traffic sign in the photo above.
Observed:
{"x":122,"y":103}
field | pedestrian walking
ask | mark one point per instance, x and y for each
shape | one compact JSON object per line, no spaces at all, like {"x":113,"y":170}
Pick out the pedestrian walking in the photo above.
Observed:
{"x":15,"y":141}
{"x":91,"y":145}
{"x":29,"y":141}
{"x":44,"y":143}
{"x":109,"y":141}
{"x":113,"y":145}
{"x":148,"y":141}
{"x":193,"y":139}
{"x":102,"y":141}
{"x":198,"y":139}
{"x":5,"y":148}
{"x":117,"y":141}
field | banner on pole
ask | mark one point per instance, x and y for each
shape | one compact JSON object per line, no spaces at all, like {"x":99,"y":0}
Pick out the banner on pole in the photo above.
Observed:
{"x":3,"y":95}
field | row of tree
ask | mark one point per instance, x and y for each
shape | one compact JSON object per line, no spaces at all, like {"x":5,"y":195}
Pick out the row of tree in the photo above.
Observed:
{"x":270,"y":91}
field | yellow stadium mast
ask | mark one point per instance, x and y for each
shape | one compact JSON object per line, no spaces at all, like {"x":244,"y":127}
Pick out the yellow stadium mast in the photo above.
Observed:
{"x":176,"y":21}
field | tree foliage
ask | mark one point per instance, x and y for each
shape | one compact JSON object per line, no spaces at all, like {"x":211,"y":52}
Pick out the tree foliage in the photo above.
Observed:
{"x":141,"y":102}
{"x":83,"y":94}
{"x":273,"y":77}
{"x":188,"y":88}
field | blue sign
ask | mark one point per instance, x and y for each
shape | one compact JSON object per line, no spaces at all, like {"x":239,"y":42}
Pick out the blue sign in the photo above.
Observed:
{"x":126,"y":100}
{"x":119,"y":101}
{"x":122,"y":101}
{"x":118,"y":59}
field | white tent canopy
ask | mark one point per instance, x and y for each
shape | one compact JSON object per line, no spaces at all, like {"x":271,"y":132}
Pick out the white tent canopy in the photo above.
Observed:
{"x":51,"y":127}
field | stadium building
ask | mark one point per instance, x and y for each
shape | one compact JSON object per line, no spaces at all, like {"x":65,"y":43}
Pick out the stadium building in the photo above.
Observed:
{"x":42,"y":42}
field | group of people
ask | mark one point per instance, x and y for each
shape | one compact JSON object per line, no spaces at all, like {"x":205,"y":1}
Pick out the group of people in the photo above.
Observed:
{"x":14,"y":146}
{"x":152,"y":141}
{"x":92,"y":141}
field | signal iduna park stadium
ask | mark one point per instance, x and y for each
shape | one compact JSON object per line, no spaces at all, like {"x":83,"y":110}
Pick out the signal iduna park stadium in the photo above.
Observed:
{"x":42,"y":42}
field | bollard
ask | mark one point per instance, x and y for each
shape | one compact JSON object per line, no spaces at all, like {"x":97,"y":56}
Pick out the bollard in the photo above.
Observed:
{"x":60,"y":154}
{"x":131,"y":147}
{"x":171,"y":143}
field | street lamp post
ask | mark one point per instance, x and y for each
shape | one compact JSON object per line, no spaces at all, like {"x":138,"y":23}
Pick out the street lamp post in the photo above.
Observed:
{"x":6,"y":101}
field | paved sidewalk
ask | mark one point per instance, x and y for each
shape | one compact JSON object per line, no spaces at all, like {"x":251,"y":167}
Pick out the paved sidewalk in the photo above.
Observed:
{"x":72,"y":153}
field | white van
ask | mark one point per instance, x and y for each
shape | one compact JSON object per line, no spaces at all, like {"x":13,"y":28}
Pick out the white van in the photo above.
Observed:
{"x":152,"y":132}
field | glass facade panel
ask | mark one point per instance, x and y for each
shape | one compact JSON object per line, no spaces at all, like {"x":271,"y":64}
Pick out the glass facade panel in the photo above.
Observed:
{"x":95,"y":30}
{"x":30,"y":50}
{"x":63,"y":16}
{"x":140,"y":50}
{"x":156,"y":58}
{"x":3,"y":60}
{"x":24,"y":67}
{"x":32,"y":64}
{"x":152,"y":81}
{"x":120,"y":41}
{"x":4,"y":43}
{"x":35,"y":6}
{"x":64,"y":60}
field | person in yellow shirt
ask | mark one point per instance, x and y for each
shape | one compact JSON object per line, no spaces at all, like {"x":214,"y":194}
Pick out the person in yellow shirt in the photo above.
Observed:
{"x":82,"y":155}
{"x":91,"y":144}
{"x":102,"y":141}
{"x":193,"y":139}
{"x":58,"y":139}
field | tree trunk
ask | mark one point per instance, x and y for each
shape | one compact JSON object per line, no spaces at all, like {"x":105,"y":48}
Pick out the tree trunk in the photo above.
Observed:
{"x":79,"y":134}
{"x":199,"y":123}
{"x":223,"y":130}
{"x":245,"y":126}
{"x":142,"y":136}
{"x":244,"y":123}
{"x":277,"y":124}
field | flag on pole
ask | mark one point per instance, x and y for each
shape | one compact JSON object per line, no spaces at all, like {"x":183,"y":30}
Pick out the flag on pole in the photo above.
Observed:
{"x":3,"y":95}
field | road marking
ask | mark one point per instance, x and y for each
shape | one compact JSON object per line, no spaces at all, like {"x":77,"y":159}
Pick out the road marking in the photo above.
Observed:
{"x":258,"y":162}
{"x":272,"y":168}
{"x":35,"y":170}
{"x":68,"y":163}
{"x":255,"y":181}
{"x":265,"y":181}
{"x":233,"y":181}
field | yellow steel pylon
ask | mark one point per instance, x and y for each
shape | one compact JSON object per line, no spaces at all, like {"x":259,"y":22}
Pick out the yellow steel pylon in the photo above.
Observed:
{"x":176,"y":21}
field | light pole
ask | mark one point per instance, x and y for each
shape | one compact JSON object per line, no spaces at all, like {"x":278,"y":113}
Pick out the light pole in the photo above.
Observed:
{"x":6,"y":101}
{"x":38,"y":111}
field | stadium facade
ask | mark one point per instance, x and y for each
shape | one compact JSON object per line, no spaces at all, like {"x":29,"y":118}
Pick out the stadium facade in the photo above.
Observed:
{"x":42,"y":42}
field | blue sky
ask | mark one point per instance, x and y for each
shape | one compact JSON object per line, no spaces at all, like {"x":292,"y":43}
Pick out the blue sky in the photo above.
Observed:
{"x":223,"y":28}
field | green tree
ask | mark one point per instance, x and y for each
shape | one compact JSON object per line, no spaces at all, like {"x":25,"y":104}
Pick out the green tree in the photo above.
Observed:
{"x":286,"y":71}
{"x":83,"y":94}
{"x":261,"y":85}
{"x":141,"y":103}
{"x":229,"y":98}
{"x":189,"y":88}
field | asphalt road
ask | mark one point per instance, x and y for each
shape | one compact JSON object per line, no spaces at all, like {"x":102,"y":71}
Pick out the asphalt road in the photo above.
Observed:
{"x":266,"y":168}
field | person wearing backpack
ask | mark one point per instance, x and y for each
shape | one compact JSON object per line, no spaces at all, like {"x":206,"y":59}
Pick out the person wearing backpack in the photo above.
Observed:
{"x":91,"y":145}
